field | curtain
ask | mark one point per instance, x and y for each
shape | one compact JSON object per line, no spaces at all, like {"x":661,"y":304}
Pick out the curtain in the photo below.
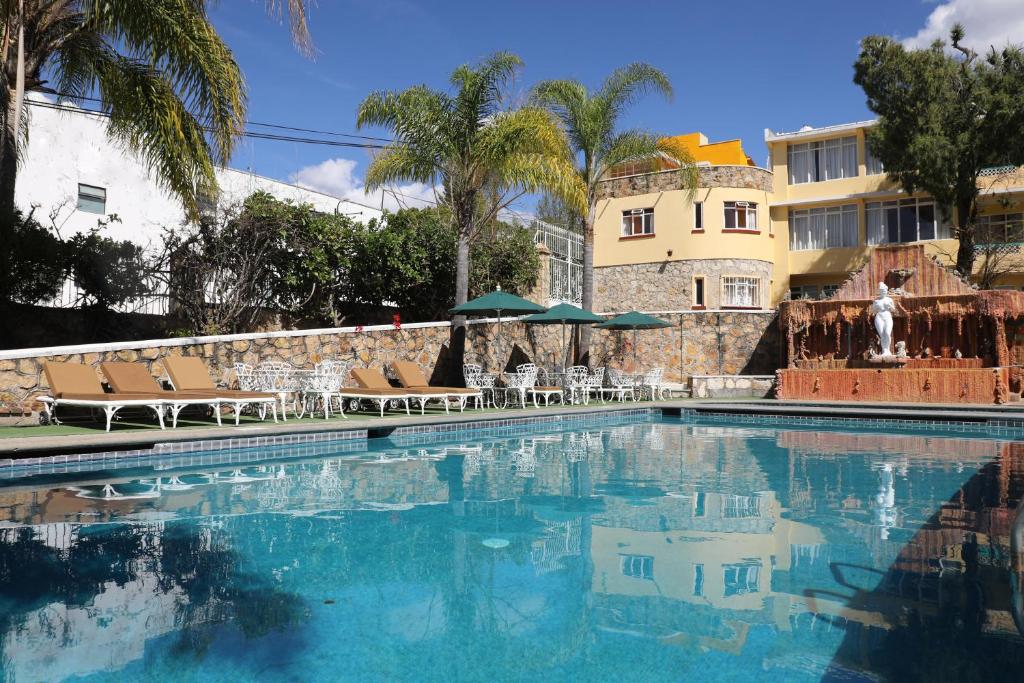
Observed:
{"x":875,"y":224}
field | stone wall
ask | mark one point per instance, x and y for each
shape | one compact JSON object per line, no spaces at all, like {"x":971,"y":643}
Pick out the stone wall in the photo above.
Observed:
{"x":697,"y":343}
{"x":746,"y":177}
{"x":668,"y":286}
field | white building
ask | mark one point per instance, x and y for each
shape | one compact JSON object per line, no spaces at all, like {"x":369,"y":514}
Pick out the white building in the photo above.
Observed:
{"x":73,"y":172}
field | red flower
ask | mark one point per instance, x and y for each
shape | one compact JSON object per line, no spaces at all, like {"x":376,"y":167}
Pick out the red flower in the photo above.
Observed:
{"x":396,"y":320}
{"x":359,"y":328}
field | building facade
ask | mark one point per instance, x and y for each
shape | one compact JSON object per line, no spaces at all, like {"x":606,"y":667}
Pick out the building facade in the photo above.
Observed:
{"x":750,"y":237}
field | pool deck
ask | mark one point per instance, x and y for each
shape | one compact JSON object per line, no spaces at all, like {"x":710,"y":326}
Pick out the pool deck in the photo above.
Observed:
{"x":1004,"y":416}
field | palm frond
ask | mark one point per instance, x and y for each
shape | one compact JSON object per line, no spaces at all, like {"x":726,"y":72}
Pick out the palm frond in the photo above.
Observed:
{"x":627,"y":84}
{"x":401,"y":163}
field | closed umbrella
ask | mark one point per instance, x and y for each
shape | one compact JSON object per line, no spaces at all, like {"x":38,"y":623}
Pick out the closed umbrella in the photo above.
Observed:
{"x":563,"y":313}
{"x":496,"y":303}
{"x":634,"y":320}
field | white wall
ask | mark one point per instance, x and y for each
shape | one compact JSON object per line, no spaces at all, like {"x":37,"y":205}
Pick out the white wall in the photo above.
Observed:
{"x":68,"y":148}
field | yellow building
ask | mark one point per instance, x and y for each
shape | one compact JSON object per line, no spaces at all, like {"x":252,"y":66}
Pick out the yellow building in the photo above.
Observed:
{"x":748,"y":237}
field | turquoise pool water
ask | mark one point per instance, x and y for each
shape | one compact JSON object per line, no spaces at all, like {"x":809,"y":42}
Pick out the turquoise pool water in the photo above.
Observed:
{"x":656,"y":550}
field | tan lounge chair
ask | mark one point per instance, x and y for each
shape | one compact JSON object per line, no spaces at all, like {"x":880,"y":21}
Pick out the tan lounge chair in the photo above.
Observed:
{"x":189,"y":373}
{"x":373,"y":381}
{"x":411,"y":376}
{"x":75,"y":384}
{"x":134,"y":378}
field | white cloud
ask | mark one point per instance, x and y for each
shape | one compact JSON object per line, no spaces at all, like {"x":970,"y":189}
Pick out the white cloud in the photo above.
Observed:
{"x":993,"y":23}
{"x":337,"y":177}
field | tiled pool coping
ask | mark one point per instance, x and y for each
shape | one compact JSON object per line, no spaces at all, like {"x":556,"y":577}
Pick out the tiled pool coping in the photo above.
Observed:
{"x":310,"y":440}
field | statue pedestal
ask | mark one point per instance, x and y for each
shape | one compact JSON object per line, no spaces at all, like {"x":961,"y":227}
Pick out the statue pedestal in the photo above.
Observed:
{"x":890,"y":360}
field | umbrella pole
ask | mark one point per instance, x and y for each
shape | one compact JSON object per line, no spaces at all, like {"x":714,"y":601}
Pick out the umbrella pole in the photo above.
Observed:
{"x":501,"y":366}
{"x":634,"y":349}
{"x":563,"y":345}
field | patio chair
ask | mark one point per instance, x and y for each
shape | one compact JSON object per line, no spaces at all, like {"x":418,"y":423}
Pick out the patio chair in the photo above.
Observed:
{"x":595,"y":383}
{"x":277,"y":377}
{"x":189,"y":373}
{"x":577,"y":385}
{"x":653,"y":384}
{"x":411,"y":376}
{"x":619,"y":384}
{"x":75,"y":384}
{"x":476,"y":378}
{"x":134,"y":378}
{"x":374,"y":387}
{"x":326,"y":382}
{"x":527,"y":378}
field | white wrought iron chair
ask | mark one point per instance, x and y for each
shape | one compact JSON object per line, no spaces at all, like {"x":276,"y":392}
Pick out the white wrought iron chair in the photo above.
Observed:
{"x":278,"y":378}
{"x":528,"y":374}
{"x":652,"y":384}
{"x":577,"y":384}
{"x":595,"y":384}
{"x":476,"y":378}
{"x":619,"y":384}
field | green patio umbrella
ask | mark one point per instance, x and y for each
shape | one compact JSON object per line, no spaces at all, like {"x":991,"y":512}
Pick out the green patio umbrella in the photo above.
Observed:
{"x":563,"y":313}
{"x":634,"y":320}
{"x":497,"y":303}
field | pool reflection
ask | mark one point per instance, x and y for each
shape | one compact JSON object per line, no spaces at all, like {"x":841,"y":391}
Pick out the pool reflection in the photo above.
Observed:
{"x":802,"y":554}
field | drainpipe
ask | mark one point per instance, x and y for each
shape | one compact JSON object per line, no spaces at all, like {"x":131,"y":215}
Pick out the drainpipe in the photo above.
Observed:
{"x":718,"y":333}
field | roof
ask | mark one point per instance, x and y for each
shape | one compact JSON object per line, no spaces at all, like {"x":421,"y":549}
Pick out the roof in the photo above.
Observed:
{"x":810,"y":132}
{"x":723,"y":153}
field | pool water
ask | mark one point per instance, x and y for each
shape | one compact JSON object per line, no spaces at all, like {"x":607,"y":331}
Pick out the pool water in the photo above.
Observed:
{"x":652,"y":550}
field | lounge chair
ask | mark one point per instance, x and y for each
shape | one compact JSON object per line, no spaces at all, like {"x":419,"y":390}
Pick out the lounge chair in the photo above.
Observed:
{"x":189,"y":373}
{"x":372,"y":380}
{"x":411,"y":376}
{"x":134,"y":378}
{"x":75,"y":384}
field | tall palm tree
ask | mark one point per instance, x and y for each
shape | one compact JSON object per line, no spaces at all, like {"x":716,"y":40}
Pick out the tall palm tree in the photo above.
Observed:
{"x":479,"y":153}
{"x":169,"y":85}
{"x":591,"y":121}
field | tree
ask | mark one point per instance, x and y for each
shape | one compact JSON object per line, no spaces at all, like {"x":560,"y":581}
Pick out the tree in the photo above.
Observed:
{"x":262,"y":257}
{"x":465,"y":144}
{"x":38,"y":261}
{"x":109,"y":272}
{"x":407,"y":259}
{"x":170,"y":86}
{"x":943,"y":116}
{"x":555,"y":211}
{"x":591,"y":120}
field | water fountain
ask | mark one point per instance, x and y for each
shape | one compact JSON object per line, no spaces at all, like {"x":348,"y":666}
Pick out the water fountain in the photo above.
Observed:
{"x":904,"y":328}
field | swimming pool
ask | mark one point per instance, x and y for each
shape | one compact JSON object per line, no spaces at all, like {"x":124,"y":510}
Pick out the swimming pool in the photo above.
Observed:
{"x":647,"y":549}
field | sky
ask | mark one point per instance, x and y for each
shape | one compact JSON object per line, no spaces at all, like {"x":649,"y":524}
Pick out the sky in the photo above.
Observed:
{"x":736,"y":67}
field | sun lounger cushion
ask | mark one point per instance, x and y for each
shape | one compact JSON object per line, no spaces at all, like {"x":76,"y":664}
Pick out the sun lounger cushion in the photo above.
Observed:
{"x":189,"y":373}
{"x":134,"y":378}
{"x":411,"y":376}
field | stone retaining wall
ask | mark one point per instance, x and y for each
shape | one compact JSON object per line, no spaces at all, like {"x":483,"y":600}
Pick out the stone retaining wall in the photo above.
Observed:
{"x":745,"y":177}
{"x":698,"y":343}
{"x":668,"y":285}
{"x":732,"y":386}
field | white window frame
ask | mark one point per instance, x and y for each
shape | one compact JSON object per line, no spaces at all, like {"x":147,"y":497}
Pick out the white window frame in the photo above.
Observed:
{"x":741,"y":578}
{"x":638,"y":218}
{"x":92,"y":193}
{"x":839,"y":226}
{"x":872,"y":164}
{"x":741,"y":291}
{"x":637,"y":566}
{"x":879,"y":226}
{"x":1011,"y":225}
{"x":822,"y":160}
{"x":743,"y":212}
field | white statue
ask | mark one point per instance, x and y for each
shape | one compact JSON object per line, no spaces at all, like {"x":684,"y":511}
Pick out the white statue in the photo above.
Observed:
{"x":882,"y":308}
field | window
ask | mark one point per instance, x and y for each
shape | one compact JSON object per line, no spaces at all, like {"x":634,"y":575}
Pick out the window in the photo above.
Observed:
{"x":872,"y":164}
{"x":811,"y":162}
{"x":741,"y":578}
{"x":637,"y":566}
{"x":1007,"y":228}
{"x":698,"y":579}
{"x":207,"y":203}
{"x":907,"y":220}
{"x":698,"y":215}
{"x":812,"y":292}
{"x":834,"y":226}
{"x":698,"y":292}
{"x":637,"y":222}
{"x":740,"y":216}
{"x":92,"y":199}
{"x":738,"y":507}
{"x":741,"y":292}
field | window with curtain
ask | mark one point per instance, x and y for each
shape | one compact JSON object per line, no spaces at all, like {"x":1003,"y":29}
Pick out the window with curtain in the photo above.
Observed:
{"x":906,"y":220}
{"x":740,"y":216}
{"x":1005,"y":228}
{"x":741,"y":578}
{"x":637,"y":222}
{"x":824,"y":228}
{"x":872,"y":164}
{"x":741,"y":292}
{"x":812,"y":162}
{"x":637,"y":566}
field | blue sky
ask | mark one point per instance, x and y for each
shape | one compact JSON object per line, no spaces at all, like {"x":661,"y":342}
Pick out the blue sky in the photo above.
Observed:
{"x":737,"y":67}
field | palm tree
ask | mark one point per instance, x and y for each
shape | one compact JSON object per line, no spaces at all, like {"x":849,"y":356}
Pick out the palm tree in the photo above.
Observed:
{"x":480,"y":154}
{"x":169,"y":85}
{"x":591,"y":120}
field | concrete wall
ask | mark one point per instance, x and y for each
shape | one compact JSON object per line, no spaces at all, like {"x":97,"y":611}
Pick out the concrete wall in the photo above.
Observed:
{"x":697,"y":343}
